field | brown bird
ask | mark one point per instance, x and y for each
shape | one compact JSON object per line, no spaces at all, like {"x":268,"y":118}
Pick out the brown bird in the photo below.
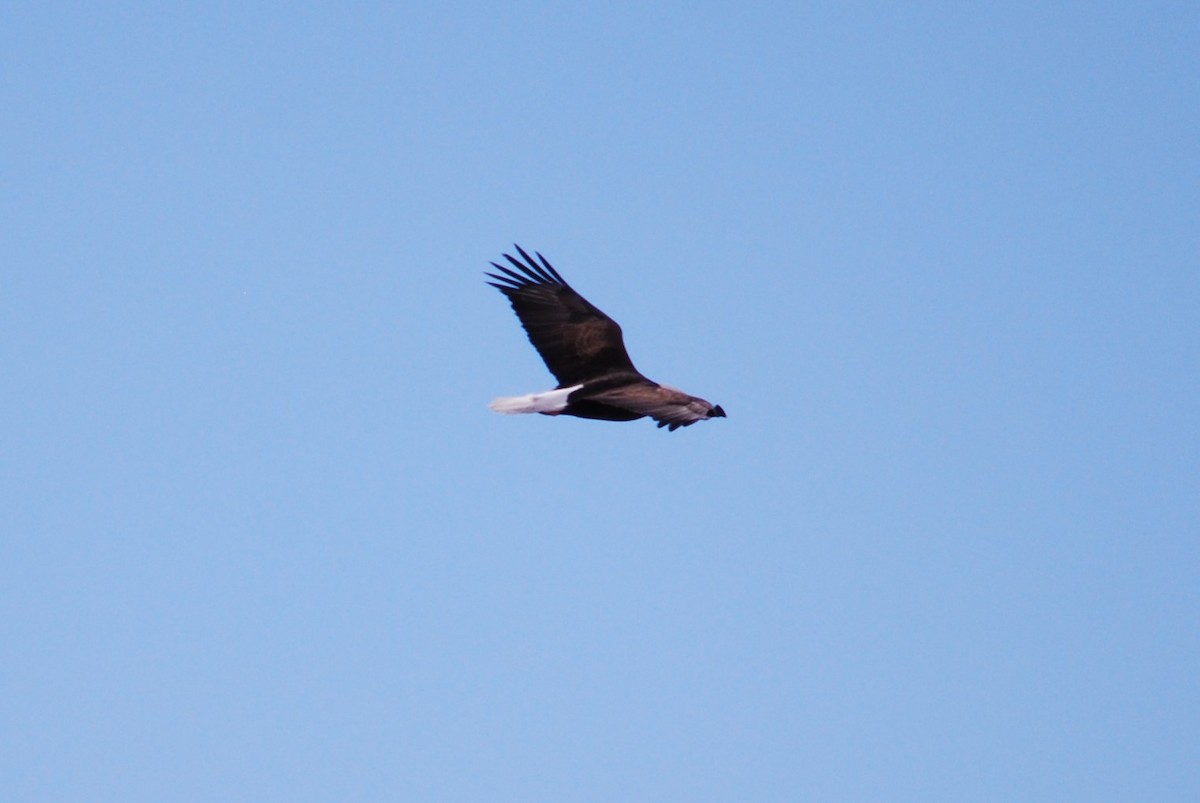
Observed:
{"x":585,"y":351}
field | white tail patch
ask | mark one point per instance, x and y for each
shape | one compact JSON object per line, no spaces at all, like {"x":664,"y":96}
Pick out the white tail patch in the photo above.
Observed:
{"x":550,"y":402}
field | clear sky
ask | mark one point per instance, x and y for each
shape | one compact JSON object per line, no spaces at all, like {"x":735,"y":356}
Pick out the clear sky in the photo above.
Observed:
{"x":263,"y":540}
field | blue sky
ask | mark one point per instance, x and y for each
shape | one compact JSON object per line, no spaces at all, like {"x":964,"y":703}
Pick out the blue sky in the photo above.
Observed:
{"x":265,"y":541}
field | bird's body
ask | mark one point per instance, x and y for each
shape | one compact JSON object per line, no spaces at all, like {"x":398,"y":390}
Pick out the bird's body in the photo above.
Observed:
{"x":585,"y":350}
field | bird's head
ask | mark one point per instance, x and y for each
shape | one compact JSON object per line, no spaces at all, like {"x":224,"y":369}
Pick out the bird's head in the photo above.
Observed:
{"x":716,"y":412}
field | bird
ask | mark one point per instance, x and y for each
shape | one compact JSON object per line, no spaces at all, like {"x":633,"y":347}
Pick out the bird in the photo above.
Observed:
{"x":585,"y":350}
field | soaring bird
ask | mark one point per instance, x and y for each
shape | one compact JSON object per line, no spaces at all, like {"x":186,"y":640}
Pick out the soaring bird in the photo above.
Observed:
{"x":585,"y":351}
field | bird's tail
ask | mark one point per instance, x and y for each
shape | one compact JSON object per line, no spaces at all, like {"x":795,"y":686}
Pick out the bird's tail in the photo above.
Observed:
{"x":550,"y":402}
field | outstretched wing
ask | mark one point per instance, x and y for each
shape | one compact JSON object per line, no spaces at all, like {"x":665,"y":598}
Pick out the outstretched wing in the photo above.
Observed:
{"x":576,"y":340}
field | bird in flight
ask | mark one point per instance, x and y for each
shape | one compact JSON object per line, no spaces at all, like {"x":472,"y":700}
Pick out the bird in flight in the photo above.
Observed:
{"x":584,"y":350}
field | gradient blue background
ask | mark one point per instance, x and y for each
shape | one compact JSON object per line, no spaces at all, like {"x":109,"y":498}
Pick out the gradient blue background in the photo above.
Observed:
{"x":262,"y":539}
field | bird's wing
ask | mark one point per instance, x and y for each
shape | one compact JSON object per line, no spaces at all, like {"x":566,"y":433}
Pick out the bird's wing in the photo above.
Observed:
{"x":669,"y":407}
{"x":576,"y":340}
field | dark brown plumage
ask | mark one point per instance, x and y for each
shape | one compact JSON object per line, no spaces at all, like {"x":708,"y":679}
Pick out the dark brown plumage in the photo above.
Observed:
{"x":585,"y":351}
